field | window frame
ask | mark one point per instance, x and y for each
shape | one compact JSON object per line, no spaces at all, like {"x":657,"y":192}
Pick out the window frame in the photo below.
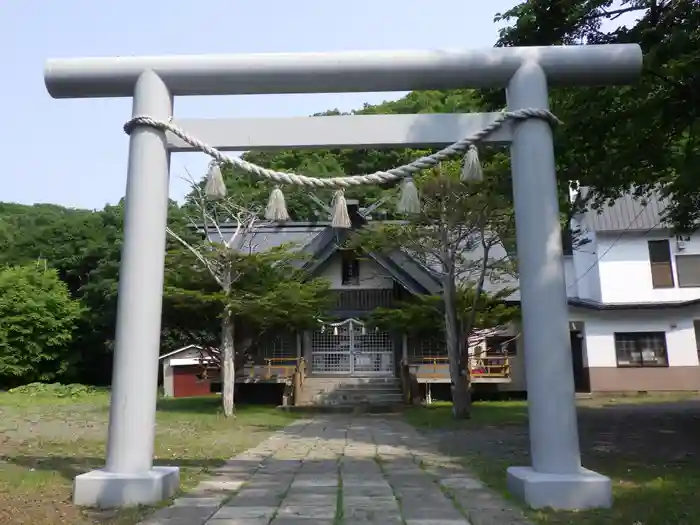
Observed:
{"x":667,"y":265}
{"x":678,"y":273}
{"x":636,"y":337}
{"x":349,"y":259}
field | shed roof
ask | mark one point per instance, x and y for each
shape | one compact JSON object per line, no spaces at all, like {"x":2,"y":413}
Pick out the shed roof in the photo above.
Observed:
{"x":179,"y":351}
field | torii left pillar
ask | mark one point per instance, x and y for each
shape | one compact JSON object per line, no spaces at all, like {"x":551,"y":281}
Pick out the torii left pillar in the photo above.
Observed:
{"x":129,"y":477}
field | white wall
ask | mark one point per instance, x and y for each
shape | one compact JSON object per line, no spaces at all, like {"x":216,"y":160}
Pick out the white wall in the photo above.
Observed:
{"x":600,"y":328}
{"x":372,"y":276}
{"x":584,"y":278}
{"x":569,"y":275}
{"x":625,"y":273}
{"x":168,"y":381}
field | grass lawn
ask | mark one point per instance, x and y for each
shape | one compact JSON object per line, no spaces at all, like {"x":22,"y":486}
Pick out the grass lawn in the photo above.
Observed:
{"x":649,"y":446}
{"x":45,"y":441}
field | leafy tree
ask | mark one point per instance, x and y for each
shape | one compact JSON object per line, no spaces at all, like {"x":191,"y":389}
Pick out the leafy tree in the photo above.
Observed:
{"x":248,"y":290}
{"x":84,"y":247}
{"x":643,"y":136}
{"x":37,"y":319}
{"x":457,"y":234}
{"x":424,"y":315}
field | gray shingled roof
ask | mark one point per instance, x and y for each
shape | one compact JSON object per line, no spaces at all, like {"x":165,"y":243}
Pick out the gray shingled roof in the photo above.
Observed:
{"x":628,"y":213}
{"x":265,"y":237}
{"x":312,"y":237}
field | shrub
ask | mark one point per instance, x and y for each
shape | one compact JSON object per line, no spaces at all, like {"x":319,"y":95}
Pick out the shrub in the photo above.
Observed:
{"x":55,"y":390}
{"x":37,"y":319}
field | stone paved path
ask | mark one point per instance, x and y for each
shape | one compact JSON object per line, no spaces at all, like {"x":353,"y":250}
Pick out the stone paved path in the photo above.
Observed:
{"x":341,"y":470}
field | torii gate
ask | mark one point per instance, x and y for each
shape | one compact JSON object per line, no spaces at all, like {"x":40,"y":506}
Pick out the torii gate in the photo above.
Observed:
{"x":556,"y":477}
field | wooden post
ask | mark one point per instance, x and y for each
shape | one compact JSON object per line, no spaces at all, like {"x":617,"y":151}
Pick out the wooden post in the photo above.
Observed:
{"x":296,"y":385}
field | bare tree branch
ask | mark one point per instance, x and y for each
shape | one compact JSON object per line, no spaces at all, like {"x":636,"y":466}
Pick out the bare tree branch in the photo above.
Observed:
{"x":207,"y":264}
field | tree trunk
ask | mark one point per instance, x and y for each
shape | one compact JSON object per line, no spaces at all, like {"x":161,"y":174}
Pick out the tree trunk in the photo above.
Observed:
{"x":461,"y":397}
{"x":228,"y":367}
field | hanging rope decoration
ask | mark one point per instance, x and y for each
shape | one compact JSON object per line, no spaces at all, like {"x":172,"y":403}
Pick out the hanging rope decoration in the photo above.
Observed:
{"x":215,"y":187}
{"x":341,"y":217}
{"x":409,"y":202}
{"x":276,"y":209}
{"x":471,"y":170}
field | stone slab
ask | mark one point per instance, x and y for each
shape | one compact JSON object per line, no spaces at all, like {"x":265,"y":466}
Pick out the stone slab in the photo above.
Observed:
{"x":307,"y":511}
{"x":439,"y":522}
{"x":382,"y":504}
{"x":238,"y":521}
{"x":209,"y":502}
{"x":102,"y":489}
{"x":583,"y":490}
{"x":295,"y":491}
{"x":178,"y":515}
{"x":385,"y":520}
{"x":419,"y":510}
{"x":461,"y":482}
{"x":228,"y":512}
{"x":283,"y":520}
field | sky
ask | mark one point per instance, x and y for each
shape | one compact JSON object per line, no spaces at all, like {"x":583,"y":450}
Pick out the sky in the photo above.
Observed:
{"x":74,"y":152}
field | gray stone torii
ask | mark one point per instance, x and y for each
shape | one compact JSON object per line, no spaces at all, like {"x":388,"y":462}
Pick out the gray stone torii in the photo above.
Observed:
{"x":556,"y":477}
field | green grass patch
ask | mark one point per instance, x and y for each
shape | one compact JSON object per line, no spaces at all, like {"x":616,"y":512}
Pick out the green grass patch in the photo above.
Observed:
{"x":439,"y":415}
{"x":46,"y":440}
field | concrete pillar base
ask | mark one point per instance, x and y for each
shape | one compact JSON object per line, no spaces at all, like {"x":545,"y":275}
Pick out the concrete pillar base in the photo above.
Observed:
{"x":107,"y":490}
{"x":585,"y":490}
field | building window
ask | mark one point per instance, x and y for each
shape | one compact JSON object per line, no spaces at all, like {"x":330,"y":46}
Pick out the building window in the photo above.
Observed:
{"x":500,"y":345}
{"x":350,"y":268}
{"x":688,"y":270}
{"x":641,"y":349}
{"x":660,"y":262}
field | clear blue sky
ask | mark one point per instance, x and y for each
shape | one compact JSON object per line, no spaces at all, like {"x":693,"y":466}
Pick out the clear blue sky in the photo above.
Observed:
{"x":73,"y":152}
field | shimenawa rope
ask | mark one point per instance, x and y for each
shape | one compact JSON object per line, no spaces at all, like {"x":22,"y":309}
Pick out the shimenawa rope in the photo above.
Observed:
{"x":276,"y":209}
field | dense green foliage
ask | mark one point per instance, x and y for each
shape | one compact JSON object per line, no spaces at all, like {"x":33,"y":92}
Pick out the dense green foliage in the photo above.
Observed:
{"x":424,"y":317}
{"x":616,"y":137}
{"x":83,"y":247}
{"x":37,"y":320}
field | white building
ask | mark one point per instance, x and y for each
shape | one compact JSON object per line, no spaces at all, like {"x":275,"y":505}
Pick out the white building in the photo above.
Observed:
{"x":634,"y":296}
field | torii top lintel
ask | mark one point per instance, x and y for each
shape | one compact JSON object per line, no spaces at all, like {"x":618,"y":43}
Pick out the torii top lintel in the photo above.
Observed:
{"x":338,"y":72}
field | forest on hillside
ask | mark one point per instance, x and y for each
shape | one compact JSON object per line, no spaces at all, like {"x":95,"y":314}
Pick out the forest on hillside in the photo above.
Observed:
{"x":62,"y":265}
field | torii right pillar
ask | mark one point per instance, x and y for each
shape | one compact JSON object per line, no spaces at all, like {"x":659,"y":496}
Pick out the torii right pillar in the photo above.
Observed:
{"x":556,"y":478}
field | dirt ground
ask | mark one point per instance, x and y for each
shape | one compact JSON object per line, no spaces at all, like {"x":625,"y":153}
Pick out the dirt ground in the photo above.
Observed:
{"x":651,"y":451}
{"x":663,"y":433}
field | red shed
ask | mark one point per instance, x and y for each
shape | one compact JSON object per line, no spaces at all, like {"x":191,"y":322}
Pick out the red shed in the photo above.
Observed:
{"x":182,"y":372}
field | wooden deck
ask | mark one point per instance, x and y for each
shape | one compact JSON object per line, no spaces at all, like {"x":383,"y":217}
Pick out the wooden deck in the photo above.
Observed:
{"x":483,"y":369}
{"x":274,"y":370}
{"x":430,"y":369}
{"x":271,"y":370}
